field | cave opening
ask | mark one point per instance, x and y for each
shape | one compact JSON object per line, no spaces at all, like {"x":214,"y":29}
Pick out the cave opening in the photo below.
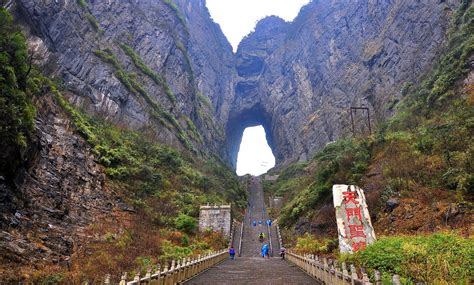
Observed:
{"x":255,"y":156}
{"x":258,"y":121}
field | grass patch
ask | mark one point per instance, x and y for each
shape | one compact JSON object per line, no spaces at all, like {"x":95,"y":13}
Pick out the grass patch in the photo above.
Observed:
{"x":174,"y":7}
{"x":140,"y":64}
{"x":158,"y":113}
{"x":94,"y":23}
{"x":204,"y":100}
{"x":433,"y":259}
{"x":82,"y":4}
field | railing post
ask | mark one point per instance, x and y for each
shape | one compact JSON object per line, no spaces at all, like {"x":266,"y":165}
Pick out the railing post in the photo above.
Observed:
{"x":148,"y":274}
{"x":137,"y":277}
{"x":158,"y":274}
{"x":123,"y":279}
{"x":396,"y":280}
{"x":354,"y":276}
{"x":326,"y":269}
{"x":365,"y":279}
{"x":378,"y":277}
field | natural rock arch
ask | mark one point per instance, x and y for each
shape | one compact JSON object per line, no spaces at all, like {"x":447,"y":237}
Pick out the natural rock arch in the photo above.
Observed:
{"x":239,"y":121}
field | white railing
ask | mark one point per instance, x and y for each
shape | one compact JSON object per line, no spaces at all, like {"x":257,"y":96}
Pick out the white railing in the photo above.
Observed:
{"x":330,"y":272}
{"x":178,"y":272}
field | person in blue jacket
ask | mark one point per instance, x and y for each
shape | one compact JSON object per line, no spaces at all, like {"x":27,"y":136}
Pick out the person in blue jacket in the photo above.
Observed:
{"x":265,"y":251}
{"x":232,"y":252}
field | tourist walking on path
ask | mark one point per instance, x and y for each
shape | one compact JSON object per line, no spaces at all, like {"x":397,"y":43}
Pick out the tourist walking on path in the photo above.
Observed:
{"x":282,"y":252}
{"x":265,"y":251}
{"x":232,"y":252}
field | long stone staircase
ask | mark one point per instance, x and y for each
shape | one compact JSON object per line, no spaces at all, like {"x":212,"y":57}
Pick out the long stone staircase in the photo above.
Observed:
{"x":251,"y":267}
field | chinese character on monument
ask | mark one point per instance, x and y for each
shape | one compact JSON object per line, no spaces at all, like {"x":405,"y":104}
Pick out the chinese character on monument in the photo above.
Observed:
{"x":353,"y":221}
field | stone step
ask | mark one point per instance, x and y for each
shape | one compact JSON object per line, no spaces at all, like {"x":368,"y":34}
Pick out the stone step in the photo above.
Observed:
{"x":254,"y":270}
{"x":251,"y":268}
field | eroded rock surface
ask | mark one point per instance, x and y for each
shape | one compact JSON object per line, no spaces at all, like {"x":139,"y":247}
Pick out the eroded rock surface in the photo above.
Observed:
{"x":299,"y":79}
{"x":57,"y":196}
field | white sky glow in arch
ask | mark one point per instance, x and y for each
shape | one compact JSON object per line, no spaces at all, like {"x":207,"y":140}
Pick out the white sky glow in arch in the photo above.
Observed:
{"x":255,"y":156}
{"x":237,"y":18}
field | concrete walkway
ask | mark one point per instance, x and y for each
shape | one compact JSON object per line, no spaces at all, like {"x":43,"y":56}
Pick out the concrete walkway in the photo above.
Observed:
{"x":251,"y":268}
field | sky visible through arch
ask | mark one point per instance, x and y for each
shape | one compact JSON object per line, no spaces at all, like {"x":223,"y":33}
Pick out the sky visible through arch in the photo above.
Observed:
{"x":255,"y":156}
{"x":237,"y":18}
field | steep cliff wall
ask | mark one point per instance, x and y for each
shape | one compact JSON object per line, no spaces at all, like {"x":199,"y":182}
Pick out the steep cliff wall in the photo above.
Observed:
{"x":303,"y":77}
{"x":166,"y":66}
{"x":141,"y":64}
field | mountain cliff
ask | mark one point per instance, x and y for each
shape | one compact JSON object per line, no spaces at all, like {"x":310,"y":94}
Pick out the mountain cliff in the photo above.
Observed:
{"x":302,"y":77}
{"x":174,"y":72}
{"x":138,"y":64}
{"x":139,"y":104}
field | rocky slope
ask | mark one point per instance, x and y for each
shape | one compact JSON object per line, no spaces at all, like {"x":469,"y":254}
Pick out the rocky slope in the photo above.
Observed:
{"x":56,"y":196}
{"x":300,"y":79}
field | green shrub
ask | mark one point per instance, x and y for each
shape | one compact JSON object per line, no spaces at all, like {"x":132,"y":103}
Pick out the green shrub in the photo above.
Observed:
{"x":185,"y":223}
{"x":93,"y":21}
{"x":16,"y":110}
{"x":82,"y":4}
{"x":435,"y":259}
{"x":140,"y":64}
{"x":308,"y":244}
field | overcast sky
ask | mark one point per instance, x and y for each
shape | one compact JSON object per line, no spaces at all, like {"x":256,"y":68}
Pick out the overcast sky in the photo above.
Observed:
{"x":237,"y":18}
{"x":255,"y":156}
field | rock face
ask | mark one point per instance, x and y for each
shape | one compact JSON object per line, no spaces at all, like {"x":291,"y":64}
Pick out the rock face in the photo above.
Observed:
{"x":299,"y":79}
{"x":168,"y":40}
{"x":60,"y":195}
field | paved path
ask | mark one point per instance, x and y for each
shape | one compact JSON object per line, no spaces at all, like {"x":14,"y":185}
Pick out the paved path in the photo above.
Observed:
{"x":251,"y":268}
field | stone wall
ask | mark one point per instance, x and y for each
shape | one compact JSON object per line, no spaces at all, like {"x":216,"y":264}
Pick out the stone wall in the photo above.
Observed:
{"x":275,"y":202}
{"x":217,"y":218}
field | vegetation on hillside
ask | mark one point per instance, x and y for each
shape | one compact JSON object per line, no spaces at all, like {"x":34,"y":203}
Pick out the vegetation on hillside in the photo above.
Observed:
{"x":156,"y":110}
{"x":140,"y":64}
{"x":432,"y":259}
{"x":162,"y":187}
{"x":165,"y":186}
{"x":91,"y":18}
{"x":16,"y":110}
{"x":174,"y":7}
{"x":425,"y":147}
